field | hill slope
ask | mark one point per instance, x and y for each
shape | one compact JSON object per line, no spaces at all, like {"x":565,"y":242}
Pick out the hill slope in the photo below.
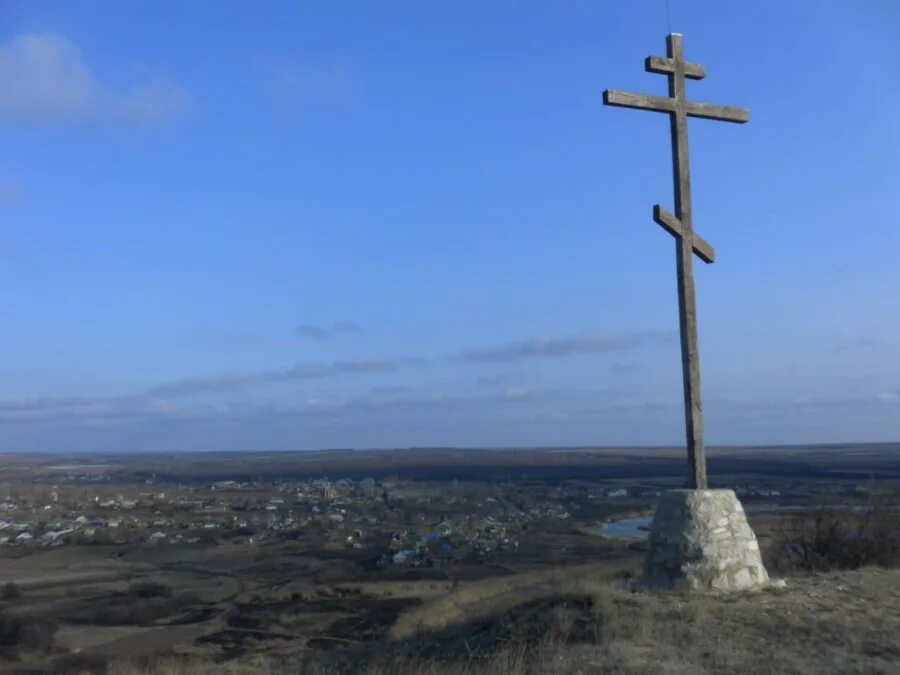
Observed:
{"x":841,"y":622}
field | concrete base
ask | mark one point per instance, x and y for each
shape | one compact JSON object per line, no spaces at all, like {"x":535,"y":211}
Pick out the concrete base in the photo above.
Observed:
{"x":701,"y":540}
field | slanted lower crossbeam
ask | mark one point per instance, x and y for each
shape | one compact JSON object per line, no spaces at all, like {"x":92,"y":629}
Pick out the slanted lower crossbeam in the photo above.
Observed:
{"x":673,"y":226}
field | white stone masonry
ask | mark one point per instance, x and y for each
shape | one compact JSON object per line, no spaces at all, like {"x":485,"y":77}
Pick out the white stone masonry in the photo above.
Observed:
{"x":701,"y":540}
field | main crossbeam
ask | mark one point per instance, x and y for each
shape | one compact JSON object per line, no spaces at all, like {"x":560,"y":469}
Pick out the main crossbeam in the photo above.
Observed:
{"x":709,"y":111}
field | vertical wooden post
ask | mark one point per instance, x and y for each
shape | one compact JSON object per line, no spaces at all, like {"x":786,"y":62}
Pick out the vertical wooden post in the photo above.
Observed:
{"x":684,"y":251}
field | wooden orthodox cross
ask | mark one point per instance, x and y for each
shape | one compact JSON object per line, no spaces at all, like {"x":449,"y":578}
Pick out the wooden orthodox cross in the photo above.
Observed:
{"x":680,"y":225}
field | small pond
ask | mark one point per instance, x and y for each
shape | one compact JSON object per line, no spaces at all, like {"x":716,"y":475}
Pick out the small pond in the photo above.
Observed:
{"x":627,"y":528}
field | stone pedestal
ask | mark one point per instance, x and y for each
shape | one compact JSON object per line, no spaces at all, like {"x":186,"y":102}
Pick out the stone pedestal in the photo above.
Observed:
{"x":701,"y":540}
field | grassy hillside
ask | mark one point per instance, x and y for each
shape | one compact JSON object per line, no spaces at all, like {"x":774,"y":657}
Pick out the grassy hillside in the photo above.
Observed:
{"x":576,"y":622}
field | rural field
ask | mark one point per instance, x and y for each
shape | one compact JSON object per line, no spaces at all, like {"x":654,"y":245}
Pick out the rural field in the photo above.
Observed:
{"x":432,"y":560}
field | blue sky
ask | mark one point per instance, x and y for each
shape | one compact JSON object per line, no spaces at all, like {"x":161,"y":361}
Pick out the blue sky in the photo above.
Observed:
{"x":325,"y":224}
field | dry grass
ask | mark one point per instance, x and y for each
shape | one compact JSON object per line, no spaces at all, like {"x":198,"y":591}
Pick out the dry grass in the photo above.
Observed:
{"x":846,"y":622}
{"x":496,"y":595}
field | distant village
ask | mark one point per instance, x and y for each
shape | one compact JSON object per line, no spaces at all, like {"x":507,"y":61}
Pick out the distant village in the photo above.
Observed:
{"x":417,"y":521}
{"x":409,"y":523}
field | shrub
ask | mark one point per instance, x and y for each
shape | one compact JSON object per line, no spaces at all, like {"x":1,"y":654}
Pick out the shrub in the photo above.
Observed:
{"x":833,"y":537}
{"x":149,"y":589}
{"x":10,"y":591}
{"x":30,"y":632}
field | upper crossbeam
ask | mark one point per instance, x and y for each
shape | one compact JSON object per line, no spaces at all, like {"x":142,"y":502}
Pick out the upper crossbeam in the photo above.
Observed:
{"x":666,"y":66}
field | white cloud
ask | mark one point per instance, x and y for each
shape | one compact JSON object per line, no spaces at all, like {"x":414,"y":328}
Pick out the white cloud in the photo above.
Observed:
{"x":322,"y":332}
{"x":542,"y":347}
{"x":44,"y":79}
